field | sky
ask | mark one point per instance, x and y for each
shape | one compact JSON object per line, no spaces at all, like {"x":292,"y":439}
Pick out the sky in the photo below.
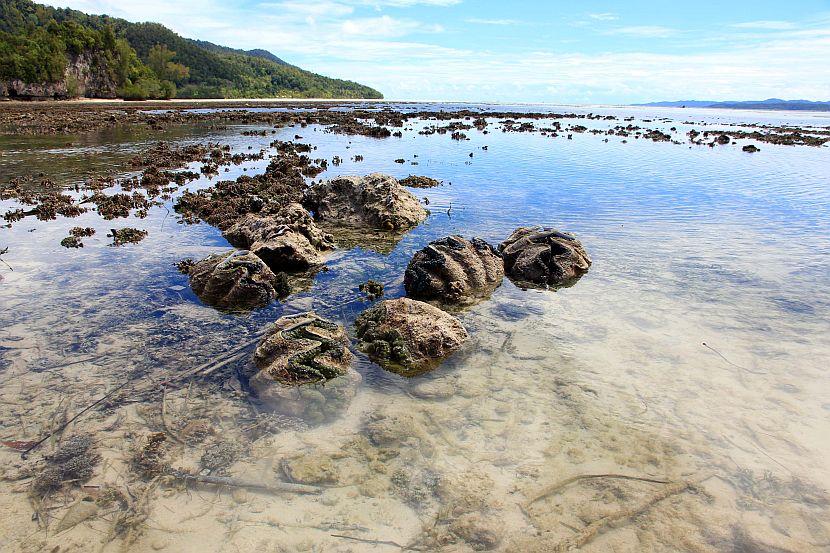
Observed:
{"x":553,"y":51}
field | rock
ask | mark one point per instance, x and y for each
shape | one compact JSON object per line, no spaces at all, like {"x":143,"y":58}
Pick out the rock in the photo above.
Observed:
{"x":483,"y":533}
{"x":288,"y":240}
{"x":303,"y":348}
{"x":723,"y":139}
{"x":542,"y":258}
{"x":85,"y":75}
{"x":408,"y":336}
{"x":234,"y":280}
{"x":310,"y":469}
{"x":416,"y":181}
{"x":454,"y":271}
{"x":751,"y":148}
{"x":375,"y":201}
{"x":78,"y":512}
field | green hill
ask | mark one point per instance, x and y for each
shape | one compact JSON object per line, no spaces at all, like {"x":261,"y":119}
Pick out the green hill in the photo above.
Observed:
{"x":52,"y":52}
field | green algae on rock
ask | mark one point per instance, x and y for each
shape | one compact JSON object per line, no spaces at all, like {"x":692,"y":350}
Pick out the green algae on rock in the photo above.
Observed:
{"x":408,"y":337}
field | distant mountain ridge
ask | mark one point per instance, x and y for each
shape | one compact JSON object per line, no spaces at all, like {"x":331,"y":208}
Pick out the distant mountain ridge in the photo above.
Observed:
{"x":59,"y":53}
{"x":771,"y":104}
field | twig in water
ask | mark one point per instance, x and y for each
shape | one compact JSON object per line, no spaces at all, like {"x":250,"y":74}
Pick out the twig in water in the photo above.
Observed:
{"x":2,"y":252}
{"x":730,"y":362}
{"x":372,"y":542}
{"x":547,"y":490}
{"x":70,"y":421}
{"x":589,"y":532}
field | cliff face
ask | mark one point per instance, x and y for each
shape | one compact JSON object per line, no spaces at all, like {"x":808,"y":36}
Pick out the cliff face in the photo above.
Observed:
{"x":85,"y":76}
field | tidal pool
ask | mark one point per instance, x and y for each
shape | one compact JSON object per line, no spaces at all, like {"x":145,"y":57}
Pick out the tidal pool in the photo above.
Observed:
{"x":676,"y":398}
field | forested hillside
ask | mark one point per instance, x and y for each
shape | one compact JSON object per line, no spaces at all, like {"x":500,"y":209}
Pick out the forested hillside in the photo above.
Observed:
{"x":50,"y":52}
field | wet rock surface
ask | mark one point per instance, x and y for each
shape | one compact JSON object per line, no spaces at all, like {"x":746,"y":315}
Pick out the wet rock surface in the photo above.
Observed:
{"x":376,"y":201}
{"x":301,"y":349}
{"x":234,"y":280}
{"x":454,"y":271}
{"x":407,"y":336}
{"x":540,"y":258}
{"x":287,"y":240}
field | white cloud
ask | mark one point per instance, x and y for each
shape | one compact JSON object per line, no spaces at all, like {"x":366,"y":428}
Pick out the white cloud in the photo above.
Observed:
{"x":644,"y":31}
{"x":766,"y":25}
{"x":606,"y":16}
{"x":477,"y":21}
{"x":386,"y":27}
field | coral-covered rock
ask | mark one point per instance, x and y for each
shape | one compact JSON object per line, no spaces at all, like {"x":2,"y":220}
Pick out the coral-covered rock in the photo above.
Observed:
{"x":454,"y":271}
{"x":542,"y":258}
{"x":288,"y":240}
{"x":375,"y":201}
{"x":233,"y":280}
{"x":408,"y":336}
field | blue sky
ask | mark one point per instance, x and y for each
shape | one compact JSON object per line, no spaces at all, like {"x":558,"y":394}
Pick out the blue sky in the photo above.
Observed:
{"x":594,"y":52}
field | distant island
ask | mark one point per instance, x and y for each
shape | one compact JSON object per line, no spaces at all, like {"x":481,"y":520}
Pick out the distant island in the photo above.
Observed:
{"x":52,"y":53}
{"x":771,"y":103}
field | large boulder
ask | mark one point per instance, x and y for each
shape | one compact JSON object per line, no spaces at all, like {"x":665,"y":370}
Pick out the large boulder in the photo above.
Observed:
{"x":303,"y":348}
{"x":454,"y":271}
{"x":288,"y":240}
{"x":234,"y":280}
{"x":542,"y":257}
{"x":376,"y":201}
{"x":407,"y":336}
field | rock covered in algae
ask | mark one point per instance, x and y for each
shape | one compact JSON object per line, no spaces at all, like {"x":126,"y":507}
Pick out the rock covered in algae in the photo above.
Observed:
{"x":453,"y":270}
{"x":543,"y":257}
{"x":375,"y":201}
{"x":234,"y":280}
{"x":288,"y":240}
{"x":408,"y":336}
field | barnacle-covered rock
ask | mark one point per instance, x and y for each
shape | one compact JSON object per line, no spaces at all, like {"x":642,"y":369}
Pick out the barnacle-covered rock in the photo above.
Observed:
{"x":542,"y":257}
{"x":408,"y":336}
{"x":454,"y":271}
{"x":376,"y":201}
{"x":287,"y":240}
{"x":234,"y":280}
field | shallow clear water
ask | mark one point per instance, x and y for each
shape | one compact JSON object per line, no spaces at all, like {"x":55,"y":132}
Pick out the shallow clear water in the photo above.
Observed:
{"x":689,"y":246}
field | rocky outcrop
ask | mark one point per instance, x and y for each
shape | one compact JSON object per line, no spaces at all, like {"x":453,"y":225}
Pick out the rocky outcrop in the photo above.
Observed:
{"x":454,"y":271}
{"x":86,"y":75}
{"x":234,"y":280}
{"x":303,"y":348}
{"x":376,"y":201}
{"x":540,"y":258}
{"x":407,"y":336}
{"x":288,"y":240}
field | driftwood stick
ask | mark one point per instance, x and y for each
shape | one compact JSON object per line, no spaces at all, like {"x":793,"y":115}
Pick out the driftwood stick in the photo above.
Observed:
{"x":277,"y":487}
{"x":372,"y":542}
{"x":548,"y":490}
{"x":590,"y":531}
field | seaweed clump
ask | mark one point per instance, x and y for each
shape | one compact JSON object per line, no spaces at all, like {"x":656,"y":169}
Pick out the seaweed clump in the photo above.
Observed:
{"x":372,"y":288}
{"x":126,"y":235}
{"x":148,"y":461}
{"x":73,"y":463}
